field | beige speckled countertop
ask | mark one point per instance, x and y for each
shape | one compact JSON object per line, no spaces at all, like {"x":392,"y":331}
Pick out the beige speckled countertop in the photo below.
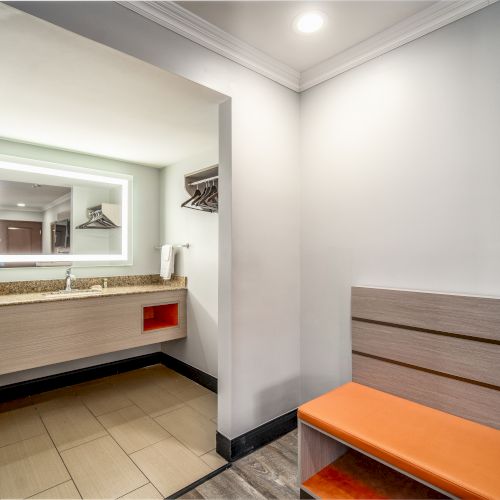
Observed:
{"x":31,"y":298}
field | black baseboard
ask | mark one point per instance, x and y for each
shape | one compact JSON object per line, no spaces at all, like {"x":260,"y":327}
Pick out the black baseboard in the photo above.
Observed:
{"x":304,"y":494}
{"x":200,"y":481}
{"x":233,"y":449}
{"x":59,"y":380}
{"x":190,"y":372}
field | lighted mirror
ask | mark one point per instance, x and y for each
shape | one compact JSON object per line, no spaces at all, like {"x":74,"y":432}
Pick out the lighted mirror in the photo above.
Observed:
{"x":62,"y":214}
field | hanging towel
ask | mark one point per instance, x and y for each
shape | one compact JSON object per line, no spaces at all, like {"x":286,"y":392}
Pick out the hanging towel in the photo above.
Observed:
{"x":167,"y":262}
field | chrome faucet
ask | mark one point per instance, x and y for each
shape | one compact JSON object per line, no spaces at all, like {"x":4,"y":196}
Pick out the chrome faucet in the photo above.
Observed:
{"x":69,"y":279}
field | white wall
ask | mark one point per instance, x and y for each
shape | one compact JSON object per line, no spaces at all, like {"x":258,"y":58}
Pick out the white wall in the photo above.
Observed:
{"x":199,"y":263}
{"x":21,"y":215}
{"x":400,"y":183}
{"x":259,"y":217}
{"x":146,"y":202}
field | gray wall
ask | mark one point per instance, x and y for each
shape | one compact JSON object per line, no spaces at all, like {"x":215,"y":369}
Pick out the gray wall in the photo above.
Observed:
{"x":200,"y":263}
{"x":400,"y":183}
{"x":259,"y":219}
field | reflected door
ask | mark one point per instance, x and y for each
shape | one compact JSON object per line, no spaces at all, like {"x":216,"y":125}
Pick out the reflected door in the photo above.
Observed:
{"x":21,"y":237}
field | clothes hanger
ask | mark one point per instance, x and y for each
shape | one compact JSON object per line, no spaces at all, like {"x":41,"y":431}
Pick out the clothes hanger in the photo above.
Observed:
{"x":206,"y":192}
{"x":204,"y":199}
{"x":97,"y":220}
{"x":211,"y":200}
{"x":196,"y":194}
{"x":194,"y":202}
{"x":214,"y":196}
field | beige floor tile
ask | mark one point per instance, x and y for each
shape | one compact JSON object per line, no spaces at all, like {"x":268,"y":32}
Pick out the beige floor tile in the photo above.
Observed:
{"x":29,"y":467}
{"x":52,"y":400}
{"x":170,"y":466}
{"x":62,"y":491}
{"x":152,"y":372}
{"x":191,"y":428}
{"x":20,"y":424}
{"x":206,"y":405}
{"x":72,"y":425}
{"x":144,"y":493}
{"x":183,"y":388}
{"x":101,"y":469}
{"x":132,"y":428}
{"x":159,"y":371}
{"x":103,"y":398}
{"x":150,"y":397}
{"x":15,"y":404}
{"x":213,"y":460}
{"x":91,"y":383}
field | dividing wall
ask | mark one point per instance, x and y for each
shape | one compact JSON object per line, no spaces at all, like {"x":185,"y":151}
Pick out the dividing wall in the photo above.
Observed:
{"x":400,"y":183}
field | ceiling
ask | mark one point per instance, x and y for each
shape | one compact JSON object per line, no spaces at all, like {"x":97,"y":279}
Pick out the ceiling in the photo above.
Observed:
{"x":66,"y":91}
{"x":268,"y":26}
{"x":35,"y":196}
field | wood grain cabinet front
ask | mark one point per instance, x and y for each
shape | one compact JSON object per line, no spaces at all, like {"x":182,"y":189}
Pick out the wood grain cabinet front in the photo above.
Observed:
{"x":34,"y":335}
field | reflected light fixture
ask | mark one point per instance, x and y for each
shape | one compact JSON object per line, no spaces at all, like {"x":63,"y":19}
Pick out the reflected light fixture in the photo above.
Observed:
{"x":309,"y":22}
{"x":21,"y":204}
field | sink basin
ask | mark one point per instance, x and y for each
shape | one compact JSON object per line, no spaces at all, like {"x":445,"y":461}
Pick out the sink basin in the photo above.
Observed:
{"x":72,"y":293}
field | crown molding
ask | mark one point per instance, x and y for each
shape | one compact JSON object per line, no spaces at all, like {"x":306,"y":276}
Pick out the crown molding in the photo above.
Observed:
{"x":185,"y":23}
{"x":427,"y":20}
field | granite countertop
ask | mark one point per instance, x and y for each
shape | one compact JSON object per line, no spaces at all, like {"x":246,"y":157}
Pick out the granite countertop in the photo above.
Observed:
{"x":32,"y":298}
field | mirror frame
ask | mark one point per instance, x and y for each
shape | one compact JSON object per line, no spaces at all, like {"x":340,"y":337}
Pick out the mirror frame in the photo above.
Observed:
{"x":77,"y":173}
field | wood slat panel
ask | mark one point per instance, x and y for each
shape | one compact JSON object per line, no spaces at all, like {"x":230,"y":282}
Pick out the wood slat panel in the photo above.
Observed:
{"x":469,"y":359}
{"x":33,"y":335}
{"x":459,"y":398}
{"x":470,"y":316}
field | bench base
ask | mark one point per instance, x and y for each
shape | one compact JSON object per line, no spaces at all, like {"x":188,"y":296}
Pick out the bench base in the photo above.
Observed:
{"x":323,"y":458}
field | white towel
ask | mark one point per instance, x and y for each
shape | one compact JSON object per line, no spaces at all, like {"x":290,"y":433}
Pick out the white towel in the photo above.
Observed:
{"x":167,"y":262}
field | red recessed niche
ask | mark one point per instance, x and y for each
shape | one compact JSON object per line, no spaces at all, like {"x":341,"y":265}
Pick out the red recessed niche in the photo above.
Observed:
{"x":160,"y":316}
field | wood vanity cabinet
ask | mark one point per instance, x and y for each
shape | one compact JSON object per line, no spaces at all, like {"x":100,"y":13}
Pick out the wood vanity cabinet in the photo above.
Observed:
{"x":39,"y":334}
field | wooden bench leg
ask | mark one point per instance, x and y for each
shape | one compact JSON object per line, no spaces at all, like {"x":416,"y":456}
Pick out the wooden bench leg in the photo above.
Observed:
{"x":316,"y":451}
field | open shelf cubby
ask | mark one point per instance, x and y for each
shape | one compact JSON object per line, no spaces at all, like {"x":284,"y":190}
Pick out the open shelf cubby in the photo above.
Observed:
{"x":159,"y":317}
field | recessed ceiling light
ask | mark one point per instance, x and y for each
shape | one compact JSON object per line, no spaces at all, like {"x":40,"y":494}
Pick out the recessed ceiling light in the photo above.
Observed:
{"x":21,"y":204}
{"x":310,"y":22}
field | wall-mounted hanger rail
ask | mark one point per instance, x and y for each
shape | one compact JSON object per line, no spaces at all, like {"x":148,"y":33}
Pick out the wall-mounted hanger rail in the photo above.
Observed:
{"x":195,"y":183}
{"x":104,"y":216}
{"x":203,"y":188}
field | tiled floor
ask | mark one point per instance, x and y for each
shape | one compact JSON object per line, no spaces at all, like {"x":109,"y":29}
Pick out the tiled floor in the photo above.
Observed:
{"x":141,"y":434}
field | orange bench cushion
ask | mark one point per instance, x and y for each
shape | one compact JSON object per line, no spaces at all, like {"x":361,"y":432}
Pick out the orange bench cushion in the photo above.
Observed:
{"x":454,"y":454}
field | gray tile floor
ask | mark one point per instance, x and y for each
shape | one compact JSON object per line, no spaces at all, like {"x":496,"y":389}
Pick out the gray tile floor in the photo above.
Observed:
{"x":270,"y":472}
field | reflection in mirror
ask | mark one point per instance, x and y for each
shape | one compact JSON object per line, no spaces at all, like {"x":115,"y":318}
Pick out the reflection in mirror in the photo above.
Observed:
{"x":61,"y":216}
{"x":34,"y":218}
